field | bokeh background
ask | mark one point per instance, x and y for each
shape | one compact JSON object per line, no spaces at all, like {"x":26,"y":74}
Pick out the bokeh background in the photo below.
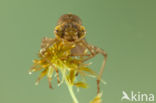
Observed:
{"x":125,"y":29}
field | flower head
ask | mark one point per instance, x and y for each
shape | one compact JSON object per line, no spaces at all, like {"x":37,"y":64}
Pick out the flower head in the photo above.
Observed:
{"x":58,"y":58}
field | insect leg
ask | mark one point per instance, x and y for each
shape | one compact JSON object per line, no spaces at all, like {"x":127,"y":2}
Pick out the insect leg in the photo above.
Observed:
{"x":49,"y":81}
{"x":94,"y":51}
{"x":57,"y":74}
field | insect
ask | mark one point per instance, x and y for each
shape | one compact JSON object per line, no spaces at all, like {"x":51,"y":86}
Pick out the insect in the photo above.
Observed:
{"x":68,"y":45}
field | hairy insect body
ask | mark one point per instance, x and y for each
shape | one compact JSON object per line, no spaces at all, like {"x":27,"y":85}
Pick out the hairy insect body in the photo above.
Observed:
{"x":79,"y":50}
{"x":70,"y":29}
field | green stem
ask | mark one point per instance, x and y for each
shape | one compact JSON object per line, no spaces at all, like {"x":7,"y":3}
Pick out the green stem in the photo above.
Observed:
{"x":70,"y":88}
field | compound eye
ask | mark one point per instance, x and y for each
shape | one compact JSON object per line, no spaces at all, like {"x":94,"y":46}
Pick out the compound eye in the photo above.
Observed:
{"x":82,"y":32}
{"x":58,"y":31}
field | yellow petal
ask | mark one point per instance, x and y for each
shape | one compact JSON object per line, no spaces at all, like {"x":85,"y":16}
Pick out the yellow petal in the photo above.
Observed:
{"x":72,"y":76}
{"x":81,"y":84}
{"x":97,"y":99}
{"x":87,"y":70}
{"x":50,"y":72}
{"x":43,"y":73}
{"x":45,"y":65}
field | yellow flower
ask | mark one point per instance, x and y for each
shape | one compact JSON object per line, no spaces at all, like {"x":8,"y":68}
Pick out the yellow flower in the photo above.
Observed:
{"x":58,"y":58}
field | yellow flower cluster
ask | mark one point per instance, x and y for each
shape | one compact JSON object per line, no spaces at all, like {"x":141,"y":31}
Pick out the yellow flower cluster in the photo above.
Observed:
{"x":58,"y":58}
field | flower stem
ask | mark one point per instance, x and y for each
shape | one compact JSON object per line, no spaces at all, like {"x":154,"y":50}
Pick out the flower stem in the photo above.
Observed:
{"x":70,"y":88}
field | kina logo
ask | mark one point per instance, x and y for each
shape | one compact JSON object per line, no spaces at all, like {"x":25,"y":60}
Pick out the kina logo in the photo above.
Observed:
{"x":137,"y":97}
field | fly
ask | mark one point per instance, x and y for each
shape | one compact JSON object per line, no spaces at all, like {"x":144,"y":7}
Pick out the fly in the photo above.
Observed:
{"x":69,"y":49}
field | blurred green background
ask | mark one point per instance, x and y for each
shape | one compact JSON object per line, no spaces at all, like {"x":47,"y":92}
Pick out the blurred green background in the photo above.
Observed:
{"x":126,"y":29}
